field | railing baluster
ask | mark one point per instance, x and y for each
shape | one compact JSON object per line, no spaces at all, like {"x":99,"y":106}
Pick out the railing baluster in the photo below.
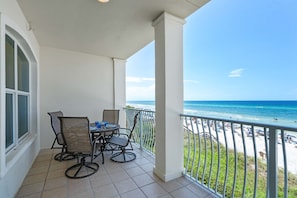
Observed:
{"x":285,"y":164}
{"x":211,"y":161}
{"x":205,"y":152}
{"x":245,"y":161}
{"x":227,"y":159}
{"x":219,"y":155}
{"x":273,"y":163}
{"x":140,"y":129}
{"x":256,"y":163}
{"x":267,"y":157}
{"x":235,"y":159}
{"x":194,"y":145}
{"x":189,"y":145}
{"x":199,"y":142}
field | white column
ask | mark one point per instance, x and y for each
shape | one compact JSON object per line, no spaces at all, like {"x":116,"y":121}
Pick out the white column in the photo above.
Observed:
{"x":169,"y":96}
{"x":119,"y":93}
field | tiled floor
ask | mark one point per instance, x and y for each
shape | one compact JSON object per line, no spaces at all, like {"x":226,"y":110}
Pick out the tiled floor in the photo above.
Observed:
{"x":132,"y":180}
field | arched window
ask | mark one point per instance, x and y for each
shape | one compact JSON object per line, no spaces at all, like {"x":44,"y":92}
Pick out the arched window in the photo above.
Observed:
{"x":18,"y":93}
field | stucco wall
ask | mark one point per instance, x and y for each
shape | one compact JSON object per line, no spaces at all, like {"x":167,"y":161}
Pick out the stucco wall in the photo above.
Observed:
{"x":15,"y":165}
{"x":76,"y":83}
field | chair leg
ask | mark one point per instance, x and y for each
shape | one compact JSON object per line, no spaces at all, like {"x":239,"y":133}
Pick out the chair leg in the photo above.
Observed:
{"x":54,"y":143}
{"x":123,"y":156}
{"x":64,"y":156}
{"x":74,"y":172}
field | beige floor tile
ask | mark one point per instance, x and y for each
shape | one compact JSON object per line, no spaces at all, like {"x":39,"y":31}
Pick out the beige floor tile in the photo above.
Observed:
{"x":133,"y":194}
{"x":55,"y":193}
{"x":183,"y":181}
{"x":142,"y":180}
{"x":32,"y":179}
{"x":30,"y":189}
{"x":167,"y":196}
{"x":142,"y":161}
{"x":113,"y":168}
{"x":38,"y":170}
{"x":147,"y":167}
{"x":55,"y":183}
{"x":56,"y":173}
{"x":129,"y":165}
{"x":153,"y":190}
{"x":45,"y":157}
{"x":34,"y":195}
{"x":100,"y":181}
{"x":125,"y":186}
{"x":78,"y":185}
{"x":196,"y":189}
{"x":105,"y":191}
{"x":170,"y":186}
{"x":44,"y":163}
{"x":119,"y":176}
{"x":88,"y":194}
{"x":56,"y":165}
{"x":183,"y":193}
{"x":134,"y":171}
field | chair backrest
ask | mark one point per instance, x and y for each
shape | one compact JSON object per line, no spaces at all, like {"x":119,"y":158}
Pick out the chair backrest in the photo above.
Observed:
{"x":76,"y":133}
{"x":111,"y":116}
{"x":134,"y":123}
{"x":56,"y":125}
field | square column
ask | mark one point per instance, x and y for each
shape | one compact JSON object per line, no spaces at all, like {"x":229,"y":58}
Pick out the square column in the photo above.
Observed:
{"x":169,"y":96}
{"x":119,"y":88}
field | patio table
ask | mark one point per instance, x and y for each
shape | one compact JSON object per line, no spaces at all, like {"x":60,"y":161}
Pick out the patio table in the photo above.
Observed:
{"x":104,"y":131}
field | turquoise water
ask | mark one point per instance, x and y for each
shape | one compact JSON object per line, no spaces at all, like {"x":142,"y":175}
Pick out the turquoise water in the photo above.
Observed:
{"x":276,"y":112}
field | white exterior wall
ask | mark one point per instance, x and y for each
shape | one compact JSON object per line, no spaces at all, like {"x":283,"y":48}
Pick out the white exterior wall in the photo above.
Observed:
{"x":78,"y":84}
{"x":15,"y":165}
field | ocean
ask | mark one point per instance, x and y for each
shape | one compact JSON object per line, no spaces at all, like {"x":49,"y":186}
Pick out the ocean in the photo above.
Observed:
{"x":269,"y":112}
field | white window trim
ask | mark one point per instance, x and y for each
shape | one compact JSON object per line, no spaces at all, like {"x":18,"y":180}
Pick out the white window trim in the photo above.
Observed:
{"x":16,"y":92}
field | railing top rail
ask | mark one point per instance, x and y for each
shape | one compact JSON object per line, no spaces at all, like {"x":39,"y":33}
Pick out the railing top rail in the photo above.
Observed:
{"x":275,"y":126}
{"x":138,"y":109}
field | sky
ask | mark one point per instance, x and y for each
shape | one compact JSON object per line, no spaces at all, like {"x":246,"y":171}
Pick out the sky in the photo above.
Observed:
{"x":233,"y":50}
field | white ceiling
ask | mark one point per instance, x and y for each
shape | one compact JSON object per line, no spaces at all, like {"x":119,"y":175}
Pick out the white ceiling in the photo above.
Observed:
{"x":115,"y":29}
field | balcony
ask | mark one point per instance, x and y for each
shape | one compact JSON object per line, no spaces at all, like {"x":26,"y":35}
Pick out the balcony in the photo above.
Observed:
{"x":222,"y":158}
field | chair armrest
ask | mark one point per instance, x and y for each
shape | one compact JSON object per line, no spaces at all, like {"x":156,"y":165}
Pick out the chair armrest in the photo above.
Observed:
{"x":127,"y":131}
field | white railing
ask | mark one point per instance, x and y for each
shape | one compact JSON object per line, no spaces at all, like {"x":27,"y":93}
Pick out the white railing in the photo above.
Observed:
{"x":144,"y":133}
{"x":241,"y":159}
{"x":229,"y":157}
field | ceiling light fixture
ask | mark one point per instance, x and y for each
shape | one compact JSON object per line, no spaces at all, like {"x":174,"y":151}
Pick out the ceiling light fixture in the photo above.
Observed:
{"x":103,"y":1}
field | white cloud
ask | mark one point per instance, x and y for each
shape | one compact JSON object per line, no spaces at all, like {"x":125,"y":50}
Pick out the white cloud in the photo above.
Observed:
{"x":236,"y":73}
{"x":138,"y":79}
{"x":141,"y":92}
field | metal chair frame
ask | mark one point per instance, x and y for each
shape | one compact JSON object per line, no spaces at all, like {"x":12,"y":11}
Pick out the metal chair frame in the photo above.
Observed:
{"x":56,"y":126}
{"x":121,"y":141}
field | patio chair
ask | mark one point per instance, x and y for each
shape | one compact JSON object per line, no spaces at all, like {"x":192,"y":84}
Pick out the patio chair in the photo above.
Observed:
{"x":111,"y":116}
{"x":76,"y":134}
{"x":56,"y":126}
{"x":121,"y":141}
